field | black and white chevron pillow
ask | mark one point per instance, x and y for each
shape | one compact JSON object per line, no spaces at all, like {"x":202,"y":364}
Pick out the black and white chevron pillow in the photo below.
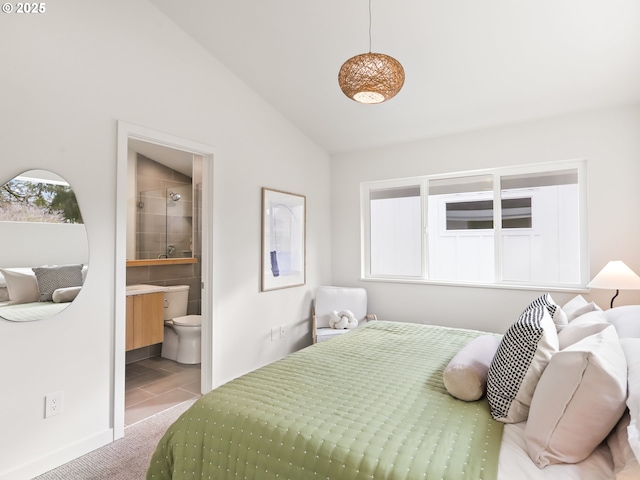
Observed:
{"x":523,"y":354}
{"x":59,"y":276}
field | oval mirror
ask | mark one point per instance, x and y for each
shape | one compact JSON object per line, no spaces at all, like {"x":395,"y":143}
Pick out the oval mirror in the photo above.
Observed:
{"x":44,"y":254}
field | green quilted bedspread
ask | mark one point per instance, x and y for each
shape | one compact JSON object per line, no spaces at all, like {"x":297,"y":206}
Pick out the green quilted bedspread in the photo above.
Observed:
{"x":367,"y":405}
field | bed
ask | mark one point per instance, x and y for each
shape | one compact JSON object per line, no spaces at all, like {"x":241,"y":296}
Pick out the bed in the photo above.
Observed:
{"x":368,"y":405}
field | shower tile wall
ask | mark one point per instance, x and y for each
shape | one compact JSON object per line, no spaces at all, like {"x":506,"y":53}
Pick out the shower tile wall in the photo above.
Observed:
{"x":159,"y":217}
{"x":152,"y":175}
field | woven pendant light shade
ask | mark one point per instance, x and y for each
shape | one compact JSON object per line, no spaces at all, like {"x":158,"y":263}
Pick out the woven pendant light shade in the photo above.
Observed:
{"x":371,"y":77}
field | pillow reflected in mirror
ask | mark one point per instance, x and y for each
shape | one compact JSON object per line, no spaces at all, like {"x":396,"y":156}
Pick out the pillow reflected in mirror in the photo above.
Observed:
{"x":52,"y":278}
{"x":39,"y":292}
{"x":22,"y":285}
{"x":65,"y":295}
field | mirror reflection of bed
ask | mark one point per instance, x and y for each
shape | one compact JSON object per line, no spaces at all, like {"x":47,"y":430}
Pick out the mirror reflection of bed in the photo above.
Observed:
{"x":45,"y":253}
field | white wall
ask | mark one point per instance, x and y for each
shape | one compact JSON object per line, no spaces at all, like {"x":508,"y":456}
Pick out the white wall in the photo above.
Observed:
{"x":75,"y":71}
{"x":34,"y":244}
{"x":607,"y":138}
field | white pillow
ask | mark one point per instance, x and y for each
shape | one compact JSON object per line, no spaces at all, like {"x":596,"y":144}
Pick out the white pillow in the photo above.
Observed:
{"x":578,"y":306}
{"x":578,"y":401}
{"x":631,"y":348}
{"x":65,"y":295}
{"x":523,"y":354}
{"x":626,"y":319}
{"x":21,"y":285}
{"x":465,"y":377}
{"x":625,"y":463}
{"x":582,"y":327}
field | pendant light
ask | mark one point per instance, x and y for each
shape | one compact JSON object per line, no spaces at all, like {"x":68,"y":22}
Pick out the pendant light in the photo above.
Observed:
{"x":371,"y":77}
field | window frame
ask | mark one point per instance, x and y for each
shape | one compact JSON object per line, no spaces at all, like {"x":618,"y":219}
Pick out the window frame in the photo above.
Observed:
{"x":365,"y":250}
{"x":580,"y":165}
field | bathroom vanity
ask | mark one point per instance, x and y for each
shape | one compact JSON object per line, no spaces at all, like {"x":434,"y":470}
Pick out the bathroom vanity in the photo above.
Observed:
{"x":145,"y":316}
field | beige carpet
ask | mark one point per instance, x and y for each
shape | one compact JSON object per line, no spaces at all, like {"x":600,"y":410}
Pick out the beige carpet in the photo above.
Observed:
{"x":124,"y":459}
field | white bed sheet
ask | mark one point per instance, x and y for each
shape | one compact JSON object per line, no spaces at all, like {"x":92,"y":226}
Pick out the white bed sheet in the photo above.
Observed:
{"x":515,"y":463}
{"x":29,"y":312}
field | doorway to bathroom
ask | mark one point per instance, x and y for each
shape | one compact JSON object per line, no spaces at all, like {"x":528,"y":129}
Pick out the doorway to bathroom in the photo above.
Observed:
{"x":166,"y":218}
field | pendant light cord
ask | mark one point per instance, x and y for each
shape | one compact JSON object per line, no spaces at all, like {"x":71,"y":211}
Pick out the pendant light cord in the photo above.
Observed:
{"x":369,"y":26}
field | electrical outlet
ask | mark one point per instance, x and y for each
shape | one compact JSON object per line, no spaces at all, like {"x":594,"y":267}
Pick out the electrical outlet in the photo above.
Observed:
{"x":53,"y":404}
{"x":275,"y":334}
{"x":282,"y":331}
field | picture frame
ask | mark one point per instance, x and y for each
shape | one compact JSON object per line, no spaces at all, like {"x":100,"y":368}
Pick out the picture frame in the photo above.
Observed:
{"x":283,"y":239}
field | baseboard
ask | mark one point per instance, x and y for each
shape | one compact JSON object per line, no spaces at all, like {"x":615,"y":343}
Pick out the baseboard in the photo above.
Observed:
{"x":58,"y":457}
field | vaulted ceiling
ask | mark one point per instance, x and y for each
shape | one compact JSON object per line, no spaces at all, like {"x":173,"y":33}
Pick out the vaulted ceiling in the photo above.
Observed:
{"x":469,"y":64}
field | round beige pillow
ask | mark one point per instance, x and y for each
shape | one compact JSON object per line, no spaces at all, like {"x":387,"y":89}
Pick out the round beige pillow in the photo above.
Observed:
{"x":465,"y":377}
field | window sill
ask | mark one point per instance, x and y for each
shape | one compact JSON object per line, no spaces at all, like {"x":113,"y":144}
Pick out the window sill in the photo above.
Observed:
{"x":499,"y":286}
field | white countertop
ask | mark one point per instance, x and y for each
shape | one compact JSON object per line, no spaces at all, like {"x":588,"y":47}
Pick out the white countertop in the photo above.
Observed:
{"x":141,"y":289}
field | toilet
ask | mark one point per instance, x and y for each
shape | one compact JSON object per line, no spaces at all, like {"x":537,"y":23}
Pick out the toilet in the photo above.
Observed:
{"x":181,"y":331}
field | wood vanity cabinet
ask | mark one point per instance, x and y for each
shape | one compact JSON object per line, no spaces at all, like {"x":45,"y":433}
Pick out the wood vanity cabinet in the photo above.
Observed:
{"x":145,"y":320}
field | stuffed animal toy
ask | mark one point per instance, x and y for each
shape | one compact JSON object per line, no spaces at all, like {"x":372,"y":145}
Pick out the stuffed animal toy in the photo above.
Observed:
{"x":343,"y":319}
{"x":336,"y":321}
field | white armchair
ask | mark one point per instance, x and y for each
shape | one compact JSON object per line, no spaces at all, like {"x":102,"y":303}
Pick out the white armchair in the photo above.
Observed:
{"x":329,"y":299}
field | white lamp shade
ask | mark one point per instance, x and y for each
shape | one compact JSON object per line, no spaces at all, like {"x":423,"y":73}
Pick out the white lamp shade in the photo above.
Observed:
{"x":616,"y":276}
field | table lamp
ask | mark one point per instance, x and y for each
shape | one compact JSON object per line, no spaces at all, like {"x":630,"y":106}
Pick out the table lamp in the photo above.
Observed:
{"x":616,"y":276}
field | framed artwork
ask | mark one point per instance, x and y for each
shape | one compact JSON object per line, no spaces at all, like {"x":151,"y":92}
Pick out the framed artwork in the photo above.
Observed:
{"x":283,"y":239}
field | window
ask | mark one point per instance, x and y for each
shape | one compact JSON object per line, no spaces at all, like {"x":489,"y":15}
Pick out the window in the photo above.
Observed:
{"x":519,"y":226}
{"x":478,"y":214}
{"x":396,"y":231}
{"x":38,"y":196}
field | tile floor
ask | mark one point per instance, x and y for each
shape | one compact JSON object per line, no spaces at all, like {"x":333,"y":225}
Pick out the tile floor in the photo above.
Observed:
{"x":156,"y":384}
